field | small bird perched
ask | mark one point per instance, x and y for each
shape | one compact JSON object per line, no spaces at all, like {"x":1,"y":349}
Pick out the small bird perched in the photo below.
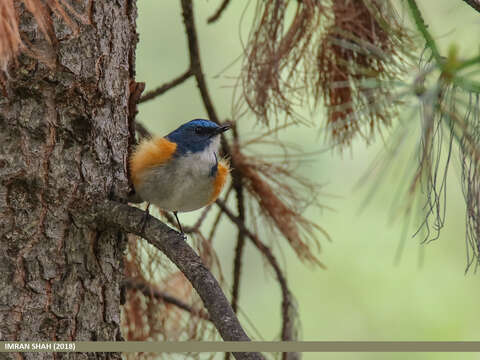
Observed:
{"x":181,"y":171}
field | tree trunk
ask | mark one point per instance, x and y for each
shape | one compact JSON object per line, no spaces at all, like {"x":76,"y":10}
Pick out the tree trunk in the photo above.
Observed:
{"x":64,"y":139}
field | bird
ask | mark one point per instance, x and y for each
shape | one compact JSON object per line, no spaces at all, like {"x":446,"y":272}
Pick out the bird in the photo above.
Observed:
{"x":181,"y":171}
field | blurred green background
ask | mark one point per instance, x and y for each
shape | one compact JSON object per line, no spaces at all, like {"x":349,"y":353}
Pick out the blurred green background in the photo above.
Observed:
{"x":364,"y":294}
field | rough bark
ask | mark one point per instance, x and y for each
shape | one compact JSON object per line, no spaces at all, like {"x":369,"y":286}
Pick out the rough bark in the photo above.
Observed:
{"x":64,"y":137}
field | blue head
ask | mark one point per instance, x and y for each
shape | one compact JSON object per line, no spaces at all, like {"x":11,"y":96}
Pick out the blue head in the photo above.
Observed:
{"x":196,"y":135}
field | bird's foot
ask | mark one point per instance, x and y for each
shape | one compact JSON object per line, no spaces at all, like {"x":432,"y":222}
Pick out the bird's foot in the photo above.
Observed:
{"x":178,"y":222}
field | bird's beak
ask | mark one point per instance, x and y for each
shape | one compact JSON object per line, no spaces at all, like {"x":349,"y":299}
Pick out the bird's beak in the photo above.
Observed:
{"x":223,"y":128}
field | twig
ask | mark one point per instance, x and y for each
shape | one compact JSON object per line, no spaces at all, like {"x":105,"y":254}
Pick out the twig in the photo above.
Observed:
{"x":165,"y":87}
{"x":195,"y":64}
{"x":173,"y":245}
{"x":201,"y":218}
{"x":215,"y":223}
{"x":219,"y":12}
{"x":150,"y":291}
{"x":196,"y":67}
{"x":473,"y":3}
{"x":288,"y":306}
{"x":237,"y":268}
{"x":422,"y":28}
{"x":466,"y":84}
{"x":214,"y":227}
{"x":237,"y":262}
{"x":237,"y":183}
{"x":141,"y":130}
{"x":237,"y":271}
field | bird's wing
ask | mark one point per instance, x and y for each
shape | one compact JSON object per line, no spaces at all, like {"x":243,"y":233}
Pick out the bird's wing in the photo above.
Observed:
{"x":148,"y":154}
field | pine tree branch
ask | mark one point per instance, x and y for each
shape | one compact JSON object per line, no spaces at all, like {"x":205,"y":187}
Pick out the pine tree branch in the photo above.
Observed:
{"x":167,"y":86}
{"x":239,"y":249}
{"x":196,"y":67}
{"x":466,"y":84}
{"x":173,"y":245}
{"x":141,"y":130}
{"x":423,"y":29}
{"x":195,"y":64}
{"x":219,"y":12}
{"x":474,"y":4}
{"x":237,"y":183}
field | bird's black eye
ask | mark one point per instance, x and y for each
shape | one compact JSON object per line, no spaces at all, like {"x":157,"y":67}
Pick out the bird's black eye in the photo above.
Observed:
{"x":198,"y":130}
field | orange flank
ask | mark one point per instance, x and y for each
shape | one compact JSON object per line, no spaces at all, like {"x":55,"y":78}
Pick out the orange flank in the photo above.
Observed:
{"x":150,"y":153}
{"x":220,"y":179}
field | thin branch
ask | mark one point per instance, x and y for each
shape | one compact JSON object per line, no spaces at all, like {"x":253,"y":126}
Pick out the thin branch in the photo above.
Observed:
{"x":141,"y":130}
{"x":196,"y":67}
{"x":201,"y":219}
{"x":465,"y":84}
{"x":237,"y":184}
{"x":165,"y":87}
{"x":288,"y":306}
{"x":473,"y":3}
{"x":173,"y":245}
{"x":423,"y":29}
{"x":219,"y":12}
{"x":214,"y":226}
{"x":239,"y":249}
{"x":237,"y":266}
{"x":149,"y":291}
{"x":473,"y":61}
{"x":195,"y":64}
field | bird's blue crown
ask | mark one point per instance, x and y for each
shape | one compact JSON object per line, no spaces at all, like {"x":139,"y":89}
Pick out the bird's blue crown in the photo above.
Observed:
{"x":194,"y":136}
